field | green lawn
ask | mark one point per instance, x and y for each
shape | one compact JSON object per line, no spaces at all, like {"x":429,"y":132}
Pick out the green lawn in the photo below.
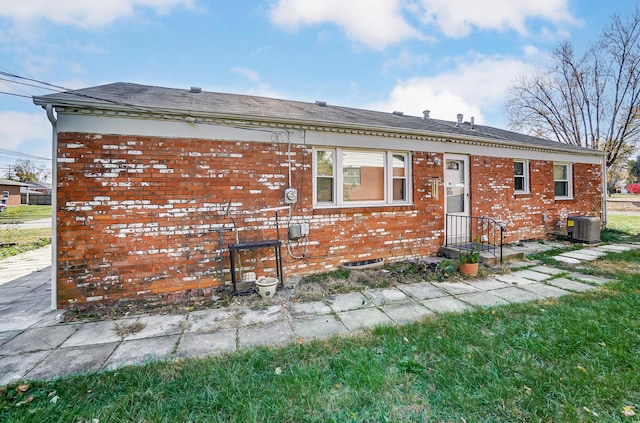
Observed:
{"x":25,"y":212}
{"x":624,"y":223}
{"x":575,"y":359}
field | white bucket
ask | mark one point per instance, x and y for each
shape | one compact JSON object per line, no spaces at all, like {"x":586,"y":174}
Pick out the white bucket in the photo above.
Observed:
{"x":266,"y":286}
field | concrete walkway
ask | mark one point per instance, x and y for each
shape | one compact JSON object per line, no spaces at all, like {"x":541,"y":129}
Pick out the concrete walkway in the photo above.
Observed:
{"x":34,"y":345}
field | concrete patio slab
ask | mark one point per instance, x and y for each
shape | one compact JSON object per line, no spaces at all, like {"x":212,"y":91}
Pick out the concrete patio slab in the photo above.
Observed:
{"x":455,"y":288}
{"x":567,"y":260}
{"x":421,"y":290}
{"x":203,"y":344}
{"x":520,"y":264}
{"x":512,"y":279}
{"x":67,"y":361}
{"x":570,"y":285}
{"x":546,"y":291}
{"x":278,"y":333}
{"x":578,"y":255}
{"x":169,"y":324}
{"x":482,"y":299}
{"x":207,"y":321}
{"x":516,"y":295}
{"x":383,"y":296}
{"x":406,"y":312}
{"x":487,"y":284}
{"x":530,"y":274}
{"x":446,"y":305}
{"x":7,"y":336}
{"x":364,"y":318}
{"x":318,"y":327}
{"x":97,"y":333}
{"x":596,"y":280}
{"x":547,"y":270}
{"x":261,"y":315}
{"x":346,"y":302}
{"x":39,"y":339}
{"x":13,"y":368}
{"x":139,"y":351}
{"x":313,"y":308}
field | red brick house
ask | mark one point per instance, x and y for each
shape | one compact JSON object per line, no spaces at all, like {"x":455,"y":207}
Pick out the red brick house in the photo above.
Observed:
{"x":145,"y":176}
{"x":10,"y":191}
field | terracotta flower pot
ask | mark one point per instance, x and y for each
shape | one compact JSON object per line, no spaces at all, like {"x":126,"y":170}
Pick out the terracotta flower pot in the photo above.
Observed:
{"x":470,"y":269}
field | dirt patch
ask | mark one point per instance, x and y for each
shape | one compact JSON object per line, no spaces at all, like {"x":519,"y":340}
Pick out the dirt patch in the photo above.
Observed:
{"x":616,"y":266}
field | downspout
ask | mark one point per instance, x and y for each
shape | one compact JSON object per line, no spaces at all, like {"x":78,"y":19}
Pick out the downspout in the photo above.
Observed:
{"x":605,"y":191}
{"x":54,"y":207}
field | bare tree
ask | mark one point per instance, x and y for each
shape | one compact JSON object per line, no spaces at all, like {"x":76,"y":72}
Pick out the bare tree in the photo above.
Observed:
{"x":590,"y":99}
{"x":27,"y":171}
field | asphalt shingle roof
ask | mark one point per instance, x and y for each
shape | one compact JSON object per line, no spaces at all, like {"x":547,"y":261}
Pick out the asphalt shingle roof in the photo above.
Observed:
{"x":184,"y":101}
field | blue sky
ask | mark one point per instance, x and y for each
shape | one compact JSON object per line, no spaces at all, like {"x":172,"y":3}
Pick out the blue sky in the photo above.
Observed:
{"x":448,"y":56}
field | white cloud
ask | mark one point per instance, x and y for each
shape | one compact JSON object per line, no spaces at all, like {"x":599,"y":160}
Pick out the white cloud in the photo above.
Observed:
{"x":458,"y":18}
{"x":19,"y":128}
{"x":380,"y":23}
{"x":83,"y":13}
{"x":474,"y":88}
{"x":375,"y":23}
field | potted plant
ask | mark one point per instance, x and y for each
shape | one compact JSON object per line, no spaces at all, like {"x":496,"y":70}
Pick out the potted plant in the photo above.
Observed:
{"x":469,"y":261}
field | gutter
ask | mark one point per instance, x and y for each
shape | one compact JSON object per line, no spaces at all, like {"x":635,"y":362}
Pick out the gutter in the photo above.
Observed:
{"x":54,"y":206}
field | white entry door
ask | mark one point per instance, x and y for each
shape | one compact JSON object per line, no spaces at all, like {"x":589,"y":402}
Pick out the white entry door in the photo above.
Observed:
{"x":456,"y":181}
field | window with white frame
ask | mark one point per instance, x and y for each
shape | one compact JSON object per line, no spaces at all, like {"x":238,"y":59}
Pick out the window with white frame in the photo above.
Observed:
{"x":521,"y":176}
{"x":562,"y":180}
{"x":360,"y":177}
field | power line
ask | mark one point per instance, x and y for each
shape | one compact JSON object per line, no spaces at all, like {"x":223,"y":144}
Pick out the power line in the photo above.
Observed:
{"x":19,"y":154}
{"x":14,"y":94}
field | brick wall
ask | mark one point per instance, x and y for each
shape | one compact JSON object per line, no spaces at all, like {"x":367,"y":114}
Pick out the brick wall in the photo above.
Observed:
{"x":531,"y":216}
{"x":135,"y":214}
{"x":14,"y":194}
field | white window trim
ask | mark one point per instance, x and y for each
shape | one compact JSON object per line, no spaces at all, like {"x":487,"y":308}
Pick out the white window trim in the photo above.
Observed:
{"x":569,"y":180}
{"x":525,"y":174}
{"x":338,"y":181}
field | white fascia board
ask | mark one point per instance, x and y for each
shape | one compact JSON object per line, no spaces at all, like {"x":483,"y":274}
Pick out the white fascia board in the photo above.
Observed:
{"x":175,"y":127}
{"x":444,"y":146}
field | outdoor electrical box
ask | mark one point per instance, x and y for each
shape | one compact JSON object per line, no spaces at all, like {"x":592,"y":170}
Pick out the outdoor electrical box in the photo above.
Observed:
{"x":290,"y":195}
{"x":295,"y":232}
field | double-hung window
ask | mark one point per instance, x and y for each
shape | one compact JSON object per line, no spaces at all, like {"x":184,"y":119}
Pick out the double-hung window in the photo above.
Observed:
{"x":521,"y":176}
{"x":345,"y":177}
{"x":562,"y":180}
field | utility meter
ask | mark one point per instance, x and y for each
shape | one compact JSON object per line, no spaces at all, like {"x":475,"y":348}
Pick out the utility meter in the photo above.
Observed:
{"x":290,"y":195}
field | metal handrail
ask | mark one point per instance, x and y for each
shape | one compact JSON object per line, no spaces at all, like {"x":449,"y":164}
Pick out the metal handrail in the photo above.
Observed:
{"x":479,"y":231}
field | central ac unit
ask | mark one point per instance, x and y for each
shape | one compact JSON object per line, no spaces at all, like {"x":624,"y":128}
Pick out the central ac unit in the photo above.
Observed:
{"x":583,"y":229}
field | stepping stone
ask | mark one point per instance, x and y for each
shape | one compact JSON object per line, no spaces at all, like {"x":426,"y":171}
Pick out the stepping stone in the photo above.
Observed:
{"x":516,"y":295}
{"x":482,"y":299}
{"x":204,"y":344}
{"x":520,"y":264}
{"x":258,"y":315}
{"x":530,"y":274}
{"x":446,"y":305}
{"x":318,"y":327}
{"x":385,"y":296}
{"x":547,"y":270}
{"x":170,"y":324}
{"x":313,"y":308}
{"x":278,"y":333}
{"x":568,"y":260}
{"x":487,"y":284}
{"x":421,"y":290}
{"x":455,"y":288}
{"x":578,"y":256}
{"x":364,"y":318}
{"x":406,"y":312}
{"x":139,"y":351}
{"x":596,"y":280}
{"x":546,"y":291}
{"x":346,"y":302}
{"x":207,"y":321}
{"x":511,"y":279}
{"x":570,"y":285}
